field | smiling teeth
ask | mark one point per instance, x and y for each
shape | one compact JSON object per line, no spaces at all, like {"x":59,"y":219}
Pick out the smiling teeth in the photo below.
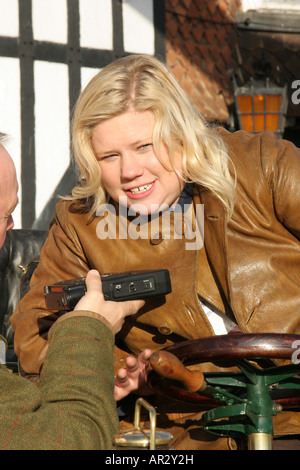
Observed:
{"x":141,"y":189}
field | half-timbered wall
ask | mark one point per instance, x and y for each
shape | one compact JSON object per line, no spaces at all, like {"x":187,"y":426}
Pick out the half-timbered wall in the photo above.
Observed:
{"x":49,"y":49}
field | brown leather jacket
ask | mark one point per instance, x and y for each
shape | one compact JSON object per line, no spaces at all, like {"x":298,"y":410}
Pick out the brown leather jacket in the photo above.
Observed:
{"x":249,"y":269}
{"x":255,"y":259}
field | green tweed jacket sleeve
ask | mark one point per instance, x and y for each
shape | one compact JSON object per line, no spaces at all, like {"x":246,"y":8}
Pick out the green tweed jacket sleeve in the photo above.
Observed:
{"x":73,"y":408}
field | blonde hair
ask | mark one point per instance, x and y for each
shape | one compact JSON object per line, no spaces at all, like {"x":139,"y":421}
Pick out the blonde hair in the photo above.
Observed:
{"x":144,"y":83}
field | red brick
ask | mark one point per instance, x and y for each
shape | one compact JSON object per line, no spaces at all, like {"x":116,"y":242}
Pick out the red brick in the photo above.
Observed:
{"x":181,"y":14}
{"x":190,"y":46}
{"x":171,"y":55}
{"x":197,"y":32}
{"x":194,"y":11}
{"x":226,"y":53}
{"x":202,"y":49}
{"x":211,"y":7}
{"x":192,"y":71}
{"x":204,"y":14}
{"x":185,"y":30}
{"x":199,"y":4}
{"x":212,"y":88}
{"x":220,"y":64}
{"x":177,"y":44}
{"x":198,"y":60}
{"x":210,"y":34}
{"x":210,"y":65}
{"x":218,"y":17}
{"x":222,"y":7}
{"x":187,"y":3}
{"x":215,"y":51}
{"x":185,"y":60}
{"x":172,"y":27}
{"x":173,"y":3}
{"x":198,"y":52}
{"x":178,"y":72}
{"x":187,"y":85}
{"x":233,"y":8}
{"x":221,"y":35}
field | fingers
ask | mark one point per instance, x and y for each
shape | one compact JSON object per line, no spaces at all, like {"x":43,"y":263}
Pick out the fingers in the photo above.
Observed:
{"x":113,"y":312}
{"x":93,"y":280}
{"x":122,"y":378}
{"x":145,"y":355}
{"x":125,"y":382}
{"x":134,"y":366}
{"x":143,"y":358}
{"x":131,"y":372}
{"x":133,"y":377}
{"x":132,"y":306}
{"x":94,"y":283}
{"x":93,"y":296}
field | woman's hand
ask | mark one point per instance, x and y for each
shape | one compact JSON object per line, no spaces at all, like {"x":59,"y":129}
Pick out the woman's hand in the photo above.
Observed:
{"x":133,"y":377}
{"x":113,"y":312}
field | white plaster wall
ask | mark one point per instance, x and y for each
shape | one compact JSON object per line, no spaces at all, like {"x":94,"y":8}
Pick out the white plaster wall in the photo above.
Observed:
{"x":9,"y":18}
{"x":87,"y":73}
{"x":52,"y":128}
{"x":270,"y":4}
{"x":49,"y":20}
{"x":96,"y":24}
{"x":138,"y":26}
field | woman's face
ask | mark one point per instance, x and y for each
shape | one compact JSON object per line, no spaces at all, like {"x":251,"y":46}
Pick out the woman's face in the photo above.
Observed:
{"x":129,"y":166}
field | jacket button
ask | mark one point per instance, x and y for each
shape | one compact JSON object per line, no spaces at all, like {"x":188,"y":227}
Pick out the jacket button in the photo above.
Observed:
{"x":165,"y":329}
{"x":156,"y":239}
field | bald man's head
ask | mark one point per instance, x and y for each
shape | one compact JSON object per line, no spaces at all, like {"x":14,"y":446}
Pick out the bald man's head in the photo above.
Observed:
{"x":8,"y":192}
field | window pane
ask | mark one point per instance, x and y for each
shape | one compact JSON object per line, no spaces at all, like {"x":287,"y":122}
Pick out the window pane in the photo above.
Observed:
{"x":247,"y":122}
{"x":259,"y":122}
{"x":245,"y":103}
{"x":259,"y":103}
{"x":272,"y":122}
{"x":273,"y":102}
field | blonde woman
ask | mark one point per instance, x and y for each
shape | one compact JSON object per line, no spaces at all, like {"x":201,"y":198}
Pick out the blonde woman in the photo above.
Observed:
{"x":160,"y":189}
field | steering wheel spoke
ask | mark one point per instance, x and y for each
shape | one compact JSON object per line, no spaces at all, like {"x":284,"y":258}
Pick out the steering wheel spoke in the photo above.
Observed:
{"x":251,"y":396}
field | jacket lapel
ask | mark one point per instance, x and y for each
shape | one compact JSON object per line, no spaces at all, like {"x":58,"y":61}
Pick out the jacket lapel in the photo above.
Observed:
{"x":215,"y":238}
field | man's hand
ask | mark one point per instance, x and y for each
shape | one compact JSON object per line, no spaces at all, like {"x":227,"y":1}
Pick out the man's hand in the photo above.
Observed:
{"x":113,"y":312}
{"x":133,"y":378}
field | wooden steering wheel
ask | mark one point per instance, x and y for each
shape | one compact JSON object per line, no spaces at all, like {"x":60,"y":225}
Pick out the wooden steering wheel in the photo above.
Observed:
{"x":238,"y":403}
{"x":170,"y":363}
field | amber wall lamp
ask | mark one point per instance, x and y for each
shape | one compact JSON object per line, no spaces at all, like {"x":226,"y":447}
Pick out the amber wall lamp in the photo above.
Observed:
{"x":261,"y":105}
